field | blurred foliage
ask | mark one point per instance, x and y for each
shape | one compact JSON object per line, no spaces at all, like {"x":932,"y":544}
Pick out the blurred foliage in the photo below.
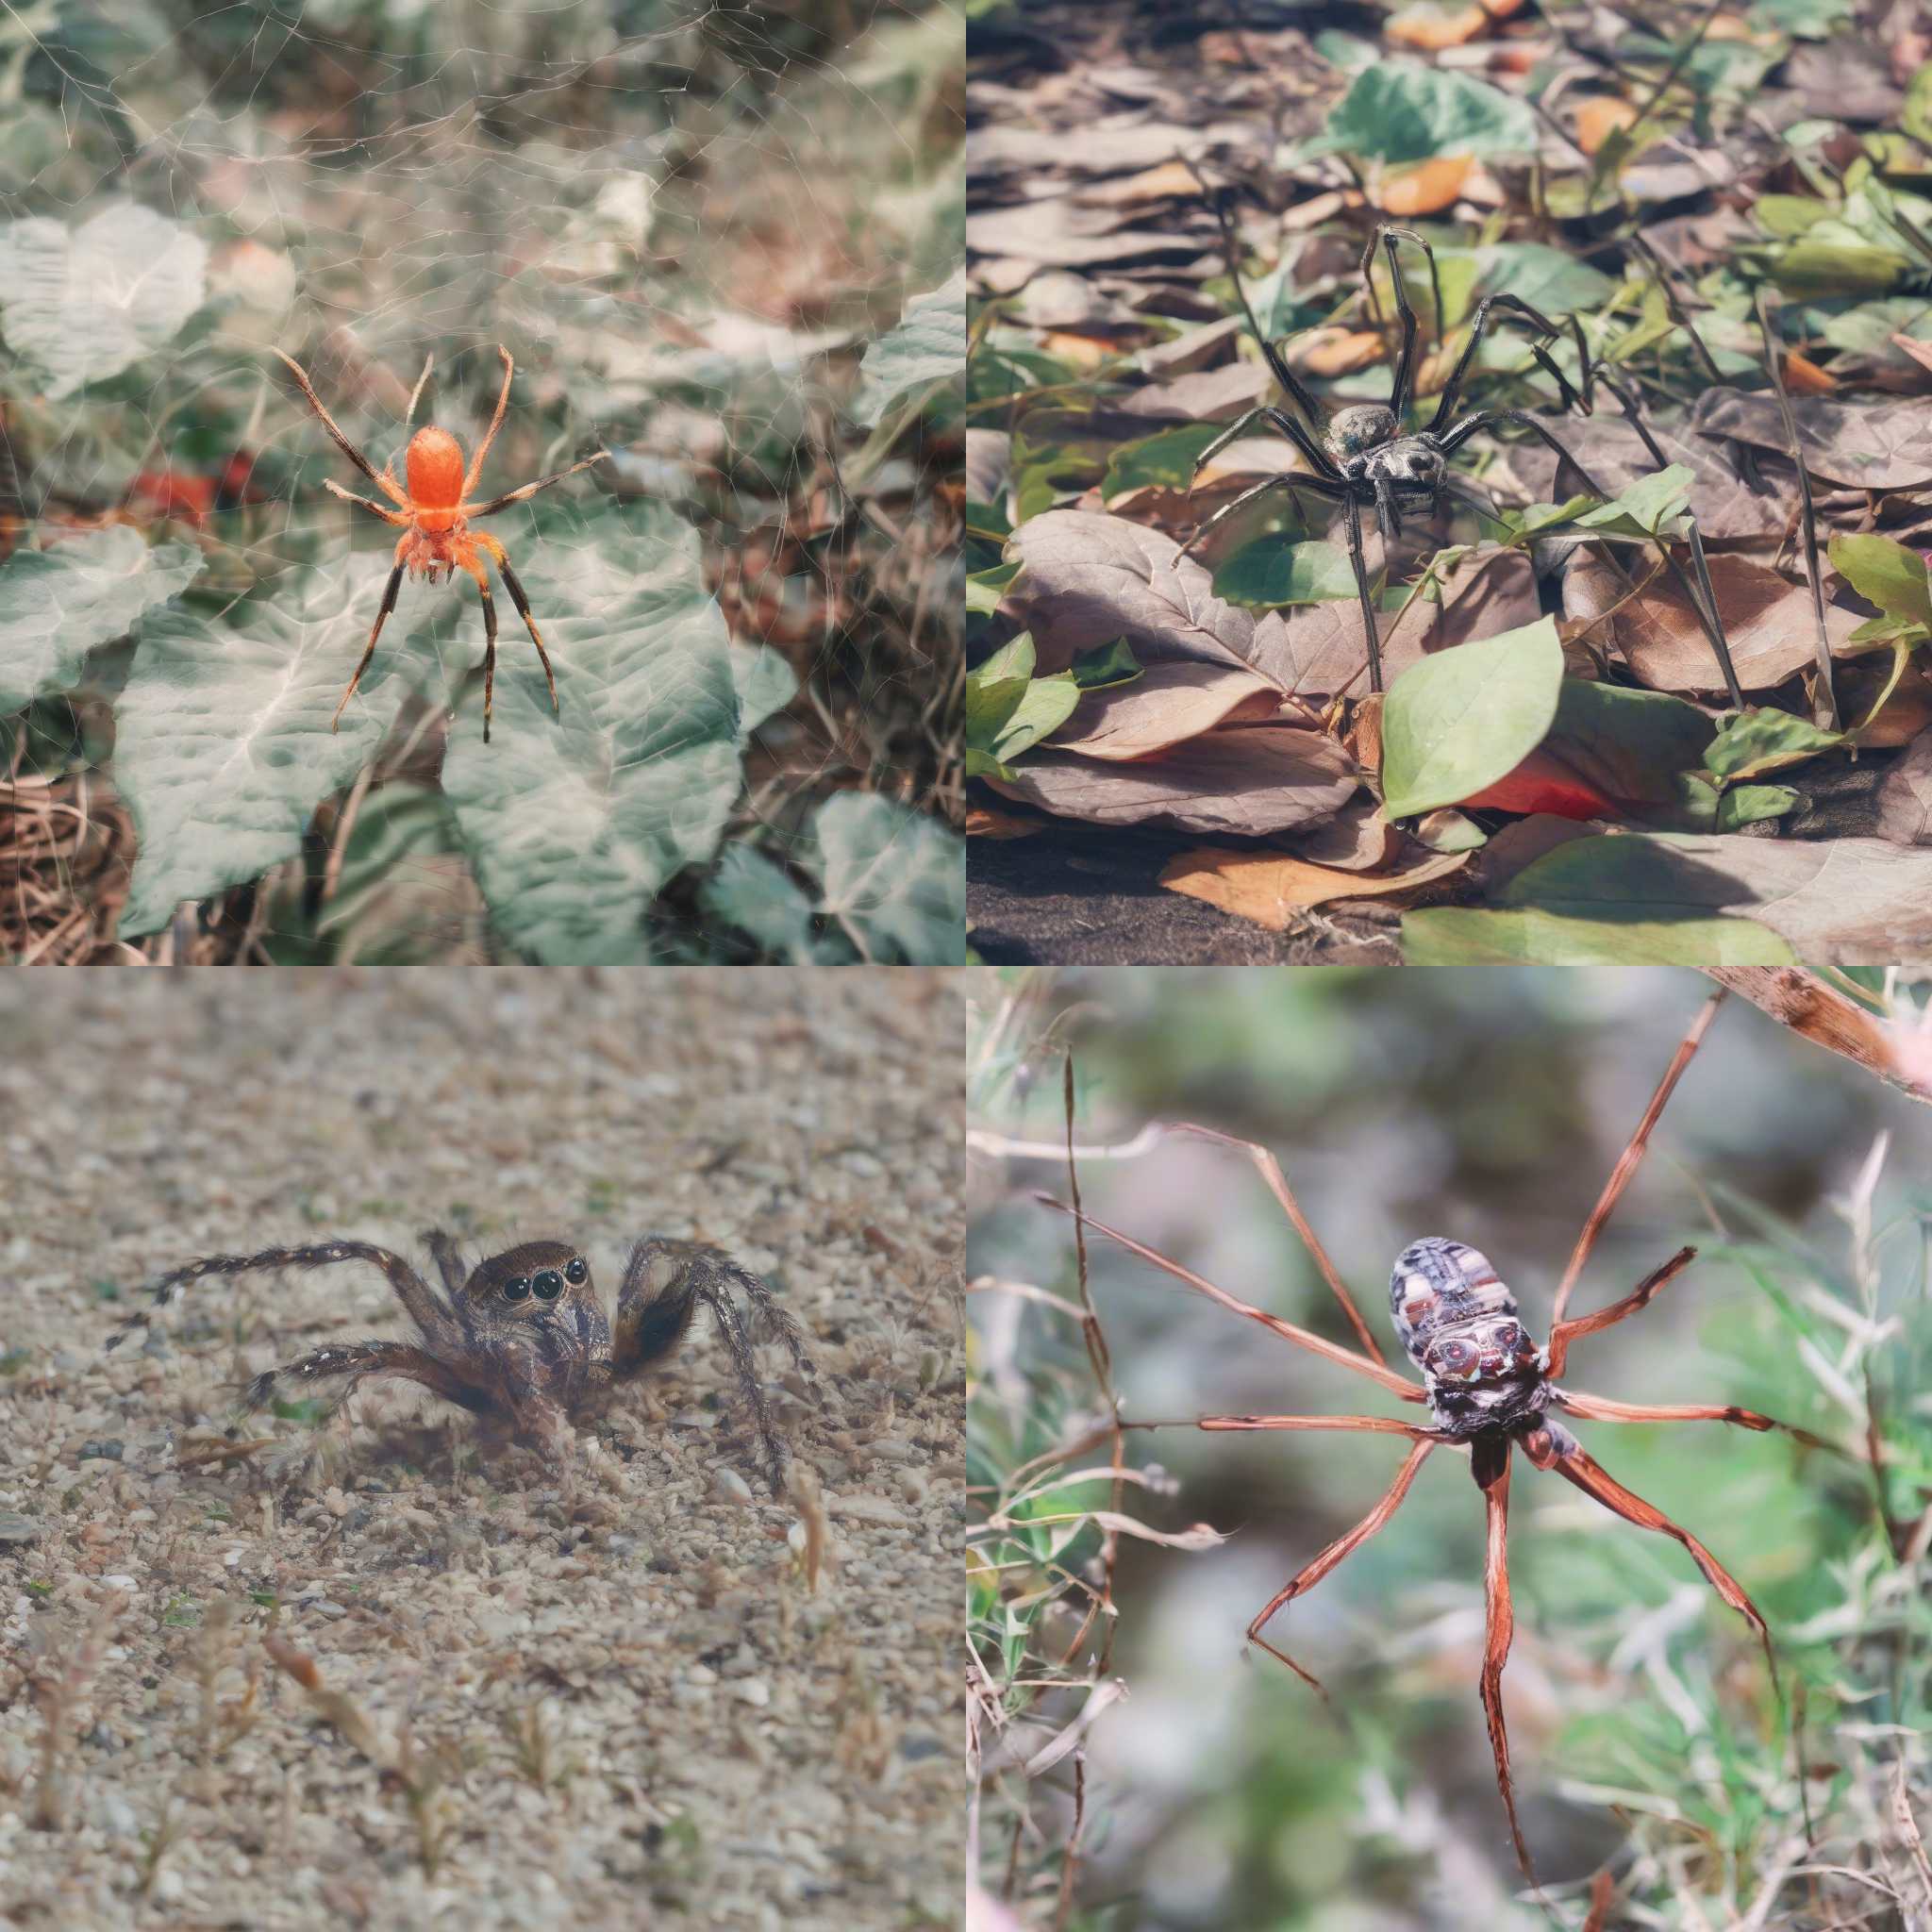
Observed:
{"x":1489,"y":1106}
{"x":725,"y":242}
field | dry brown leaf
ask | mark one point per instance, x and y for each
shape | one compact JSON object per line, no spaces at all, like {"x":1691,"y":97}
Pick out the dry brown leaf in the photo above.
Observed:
{"x":1170,"y":180}
{"x":1804,"y":377}
{"x":1269,"y":887}
{"x":1599,"y":118}
{"x":1357,"y":838}
{"x":1337,"y":351}
{"x":1433,"y":27}
{"x":1167,"y":705}
{"x":982,"y":821}
{"x":1078,"y":351}
{"x":1428,"y":188}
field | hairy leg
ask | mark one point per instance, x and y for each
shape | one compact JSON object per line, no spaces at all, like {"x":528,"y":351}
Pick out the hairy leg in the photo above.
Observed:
{"x":1452,"y":390}
{"x":1343,"y":1546}
{"x":448,"y":1259}
{"x":524,"y":491}
{"x":1302,"y":1338}
{"x":501,"y":559}
{"x":416,"y":393}
{"x":489,"y":604}
{"x":1361,"y":588}
{"x":1404,"y":384}
{"x":495,"y":422}
{"x":418,"y":1298}
{"x":387,"y":485}
{"x":354,"y":1361}
{"x":388,"y":604}
{"x":663,"y":1282}
{"x":389,"y":516}
{"x":1290,"y":481}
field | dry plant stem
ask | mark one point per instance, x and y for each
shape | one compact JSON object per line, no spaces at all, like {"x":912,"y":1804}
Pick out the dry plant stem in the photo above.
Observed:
{"x":1329,"y":1351}
{"x":1826,"y":712}
{"x":1632,"y":1156}
{"x":1829,"y":1018}
{"x":56,"y":1692}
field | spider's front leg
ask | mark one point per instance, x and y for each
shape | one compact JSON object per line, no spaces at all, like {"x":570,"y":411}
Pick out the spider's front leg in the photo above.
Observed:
{"x":353,"y":1362}
{"x":1490,"y":1464}
{"x":663,"y":1282}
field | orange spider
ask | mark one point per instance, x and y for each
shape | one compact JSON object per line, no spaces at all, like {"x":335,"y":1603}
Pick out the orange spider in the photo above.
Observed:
{"x":435,"y":513}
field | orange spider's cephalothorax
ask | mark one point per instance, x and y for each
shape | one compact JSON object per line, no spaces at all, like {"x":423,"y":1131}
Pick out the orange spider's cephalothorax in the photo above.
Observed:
{"x":435,"y":464}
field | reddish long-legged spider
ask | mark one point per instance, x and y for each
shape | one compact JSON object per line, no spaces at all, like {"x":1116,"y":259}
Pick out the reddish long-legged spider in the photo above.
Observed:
{"x":435,"y":512}
{"x":1489,"y":1390}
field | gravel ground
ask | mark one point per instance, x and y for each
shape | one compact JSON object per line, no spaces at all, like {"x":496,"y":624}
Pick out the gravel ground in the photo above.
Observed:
{"x":603,"y":1696}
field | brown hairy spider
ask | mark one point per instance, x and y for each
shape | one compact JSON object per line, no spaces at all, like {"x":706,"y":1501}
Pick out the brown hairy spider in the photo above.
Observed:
{"x":522,"y":1339}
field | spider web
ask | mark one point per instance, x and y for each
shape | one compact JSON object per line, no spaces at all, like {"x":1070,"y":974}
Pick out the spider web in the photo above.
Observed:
{"x":687,"y":223}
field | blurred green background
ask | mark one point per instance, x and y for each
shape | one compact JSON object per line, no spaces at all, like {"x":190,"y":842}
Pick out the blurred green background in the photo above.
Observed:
{"x":1488,"y":1106}
{"x":721,"y":242}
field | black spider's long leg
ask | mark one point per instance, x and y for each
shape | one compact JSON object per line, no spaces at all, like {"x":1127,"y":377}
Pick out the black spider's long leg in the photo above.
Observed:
{"x":1290,"y":481}
{"x":418,"y":1298}
{"x":1354,"y":517}
{"x":1453,"y":440}
{"x":1490,"y":1464}
{"x":1290,"y":384}
{"x":1386,"y":518}
{"x":1281,"y":421}
{"x":523,"y":603}
{"x":1344,"y":1545}
{"x":1404,"y":363}
{"x":489,"y":647}
{"x":1452,"y":390}
{"x":388,"y":604}
{"x":663,"y":1282}
{"x":1470,"y":500}
{"x":359,"y":1359}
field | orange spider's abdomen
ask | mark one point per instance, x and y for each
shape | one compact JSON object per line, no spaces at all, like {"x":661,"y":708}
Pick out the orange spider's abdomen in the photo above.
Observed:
{"x":435,"y":464}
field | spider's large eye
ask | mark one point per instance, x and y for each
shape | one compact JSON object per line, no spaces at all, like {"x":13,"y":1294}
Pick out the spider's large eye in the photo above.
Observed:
{"x":547,"y":1286}
{"x":576,"y":1270}
{"x":517,"y":1291}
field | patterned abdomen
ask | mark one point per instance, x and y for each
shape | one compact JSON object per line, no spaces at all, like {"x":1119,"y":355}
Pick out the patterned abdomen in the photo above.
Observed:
{"x":1459,"y":1323}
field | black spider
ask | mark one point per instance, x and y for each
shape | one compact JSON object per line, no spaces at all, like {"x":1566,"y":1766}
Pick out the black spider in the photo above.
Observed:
{"x":1361,"y":458}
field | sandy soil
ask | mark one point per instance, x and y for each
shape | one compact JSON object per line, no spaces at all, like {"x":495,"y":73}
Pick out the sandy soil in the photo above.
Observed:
{"x":611,"y":1700}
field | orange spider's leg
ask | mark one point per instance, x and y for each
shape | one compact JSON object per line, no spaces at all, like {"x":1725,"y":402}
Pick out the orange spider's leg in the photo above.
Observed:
{"x":495,"y":423}
{"x":388,"y":604}
{"x":477,"y":572}
{"x":524,"y":491}
{"x":1490,"y":1466}
{"x":342,"y":442}
{"x":416,"y":393}
{"x":389,"y":516}
{"x":501,"y":558}
{"x":1344,"y":1545}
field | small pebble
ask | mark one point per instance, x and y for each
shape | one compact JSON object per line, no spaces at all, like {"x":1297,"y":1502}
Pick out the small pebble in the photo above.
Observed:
{"x":106,"y":1449}
{"x":754,"y":1692}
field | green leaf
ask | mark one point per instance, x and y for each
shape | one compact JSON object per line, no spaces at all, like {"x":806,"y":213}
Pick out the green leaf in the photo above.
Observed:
{"x":893,"y":881}
{"x":574,"y":822}
{"x":1013,"y":660}
{"x":1916,"y":119}
{"x":1397,"y":111}
{"x":985,"y":588}
{"x":1461,"y":719}
{"x":86,"y":303}
{"x":222,"y":746}
{"x":1169,"y":458}
{"x":1551,"y":279}
{"x":1270,"y":573}
{"x":1755,"y":742}
{"x":1746,"y":804}
{"x":1645,"y":508}
{"x":1464,"y":936}
{"x":57,"y":604}
{"x":760,"y":898}
{"x":926,"y":350}
{"x":1837,"y":268}
{"x":1885,"y":574}
{"x":1107,"y":664}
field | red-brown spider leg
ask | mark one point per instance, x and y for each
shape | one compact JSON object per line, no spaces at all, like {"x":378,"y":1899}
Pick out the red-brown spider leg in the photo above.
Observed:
{"x":1489,"y":1464}
{"x":389,"y":516}
{"x":495,"y":422}
{"x":1344,"y":1545}
{"x":448,"y":1259}
{"x":529,"y":490}
{"x":1270,"y":1171}
{"x":1374,"y":1424}
{"x":1632,"y":1155}
{"x":1600,"y":1408}
{"x":1564,"y":1333}
{"x":1303,"y":1337}
{"x":523,"y":603}
{"x":385,"y":484}
{"x":1575,"y":1465}
{"x":388,"y":604}
{"x":359,"y":1359}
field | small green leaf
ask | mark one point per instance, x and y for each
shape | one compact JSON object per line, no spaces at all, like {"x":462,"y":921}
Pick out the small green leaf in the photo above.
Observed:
{"x":1755,"y":742}
{"x":750,"y":892}
{"x":893,"y":880}
{"x":1107,"y":664}
{"x":1746,"y":804}
{"x":1169,"y":457}
{"x":1269,"y":573}
{"x":1885,"y":574}
{"x":1461,"y":719}
{"x":1473,"y":936}
{"x":925,"y":351}
{"x":1398,"y":111}
{"x":1643,"y":509}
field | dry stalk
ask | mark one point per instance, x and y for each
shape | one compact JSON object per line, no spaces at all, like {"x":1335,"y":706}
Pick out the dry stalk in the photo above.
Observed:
{"x":58,"y":1691}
